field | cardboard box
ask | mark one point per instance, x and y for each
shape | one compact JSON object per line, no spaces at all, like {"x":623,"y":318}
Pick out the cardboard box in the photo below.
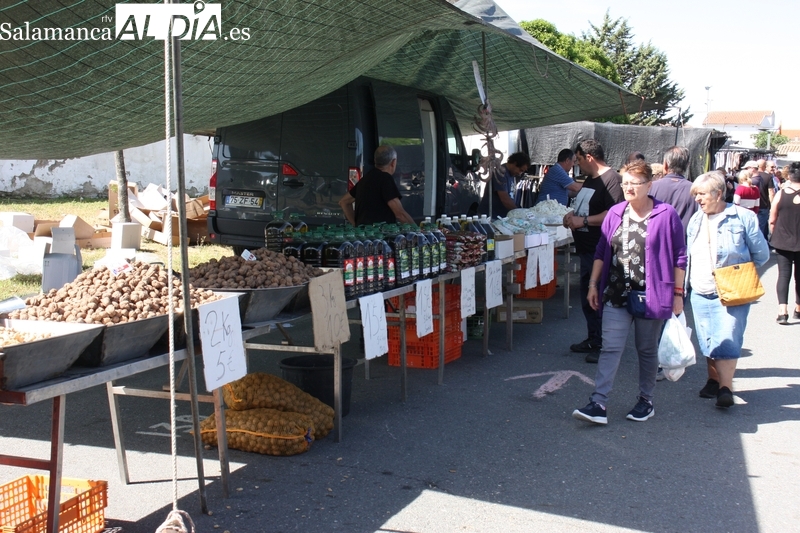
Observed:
{"x":153,"y":198}
{"x":113,"y":196}
{"x":41,"y":228}
{"x":525,"y":312}
{"x":82,"y":229}
{"x":503,"y":246}
{"x":194,"y":209}
{"x":146,"y":221}
{"x":533,"y":240}
{"x":101,"y":239}
{"x":22,"y":221}
{"x":519,"y":242}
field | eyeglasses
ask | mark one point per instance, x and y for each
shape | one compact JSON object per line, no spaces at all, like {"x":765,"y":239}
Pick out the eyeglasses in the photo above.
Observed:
{"x":629,"y":184}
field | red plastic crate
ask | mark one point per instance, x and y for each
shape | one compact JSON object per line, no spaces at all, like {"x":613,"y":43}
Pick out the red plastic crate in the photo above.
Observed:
{"x":452,"y":298}
{"x":452,"y":324}
{"x":540,"y":292}
{"x":424,"y":355}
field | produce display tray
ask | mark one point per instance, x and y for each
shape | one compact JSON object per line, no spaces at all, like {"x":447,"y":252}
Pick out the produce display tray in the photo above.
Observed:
{"x":122,"y":342}
{"x":32,"y":362}
{"x":261,"y":305}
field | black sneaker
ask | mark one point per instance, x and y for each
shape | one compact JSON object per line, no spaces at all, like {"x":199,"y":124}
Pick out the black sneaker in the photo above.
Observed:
{"x":710,"y":390}
{"x":796,"y":315}
{"x":592,"y":357}
{"x":593,"y":412}
{"x":641,"y":411}
{"x":724,"y":398}
{"x":587,"y":346}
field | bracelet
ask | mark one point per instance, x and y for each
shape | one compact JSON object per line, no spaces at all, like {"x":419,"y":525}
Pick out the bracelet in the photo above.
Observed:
{"x":678,"y":291}
{"x":592,"y":283}
{"x":678,"y":294}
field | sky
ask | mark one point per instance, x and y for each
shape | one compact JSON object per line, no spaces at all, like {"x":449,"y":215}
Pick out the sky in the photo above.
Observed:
{"x":746,"y":51}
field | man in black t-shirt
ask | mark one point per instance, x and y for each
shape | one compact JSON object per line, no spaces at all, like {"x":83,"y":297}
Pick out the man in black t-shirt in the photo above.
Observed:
{"x":376,"y":195}
{"x":600,"y":191}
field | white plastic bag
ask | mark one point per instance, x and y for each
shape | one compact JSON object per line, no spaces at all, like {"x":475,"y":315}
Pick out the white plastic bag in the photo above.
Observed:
{"x":675,"y":350}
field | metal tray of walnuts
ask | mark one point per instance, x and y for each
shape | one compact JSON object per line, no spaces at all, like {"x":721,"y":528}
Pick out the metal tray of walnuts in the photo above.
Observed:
{"x":261,"y":305}
{"x":40,"y":360}
{"x":124,"y":341}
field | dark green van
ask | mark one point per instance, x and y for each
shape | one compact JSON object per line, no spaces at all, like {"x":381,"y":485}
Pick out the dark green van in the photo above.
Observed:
{"x":303,"y":160}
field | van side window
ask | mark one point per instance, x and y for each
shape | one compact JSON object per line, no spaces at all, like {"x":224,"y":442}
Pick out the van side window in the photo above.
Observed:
{"x":453,"y":144}
{"x":259,"y":139}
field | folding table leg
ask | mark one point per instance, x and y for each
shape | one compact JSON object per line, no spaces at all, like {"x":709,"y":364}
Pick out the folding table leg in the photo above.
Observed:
{"x":56,"y":459}
{"x":119,"y":442}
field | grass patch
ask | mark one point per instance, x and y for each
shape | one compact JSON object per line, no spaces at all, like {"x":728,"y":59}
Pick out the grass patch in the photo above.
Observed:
{"x":90,"y":211}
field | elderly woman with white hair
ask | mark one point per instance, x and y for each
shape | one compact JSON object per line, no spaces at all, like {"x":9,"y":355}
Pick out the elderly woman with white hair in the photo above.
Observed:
{"x":719,"y":235}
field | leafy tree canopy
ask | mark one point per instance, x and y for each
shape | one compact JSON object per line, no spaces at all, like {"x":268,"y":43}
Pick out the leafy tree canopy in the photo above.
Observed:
{"x":609,"y":50}
{"x":775,"y":140}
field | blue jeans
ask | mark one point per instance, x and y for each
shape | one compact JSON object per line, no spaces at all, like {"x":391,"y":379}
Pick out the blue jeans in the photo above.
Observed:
{"x":720,"y":329}
{"x":763,"y":222}
{"x":616,"y":326}
{"x":594,"y":323}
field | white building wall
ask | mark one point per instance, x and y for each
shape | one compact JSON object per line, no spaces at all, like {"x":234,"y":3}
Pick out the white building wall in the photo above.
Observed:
{"x":88,"y":177}
{"x":738,"y":133}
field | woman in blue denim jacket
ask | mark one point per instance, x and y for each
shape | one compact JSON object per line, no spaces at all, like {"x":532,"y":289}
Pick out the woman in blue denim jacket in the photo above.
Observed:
{"x":732,"y":234}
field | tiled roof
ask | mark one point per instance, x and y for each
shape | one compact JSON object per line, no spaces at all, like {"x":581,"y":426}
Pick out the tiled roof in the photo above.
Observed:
{"x":736,"y":117}
{"x":794,"y":135}
{"x":788,"y":147}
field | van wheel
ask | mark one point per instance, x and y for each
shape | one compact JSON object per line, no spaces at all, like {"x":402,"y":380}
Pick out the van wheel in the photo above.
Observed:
{"x":238,"y":250}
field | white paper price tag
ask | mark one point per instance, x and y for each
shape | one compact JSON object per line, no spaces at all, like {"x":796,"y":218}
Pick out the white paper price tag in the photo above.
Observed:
{"x":373,"y":321}
{"x":247,"y":255}
{"x":494,"y":284}
{"x":221,"y":337}
{"x":118,"y":267}
{"x":424,"y":310}
{"x":546,"y":254}
{"x":532,"y":269}
{"x":467,"y":292}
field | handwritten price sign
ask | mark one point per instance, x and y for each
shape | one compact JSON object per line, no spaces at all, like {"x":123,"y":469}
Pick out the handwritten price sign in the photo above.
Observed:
{"x":531,"y":269}
{"x":467,"y":292}
{"x":373,"y":320}
{"x":221,"y":337}
{"x":328,"y":311}
{"x":424,"y":305}
{"x":494,"y":284}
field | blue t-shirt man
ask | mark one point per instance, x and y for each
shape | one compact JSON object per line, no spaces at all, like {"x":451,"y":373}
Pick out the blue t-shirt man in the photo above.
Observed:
{"x":503,"y":186}
{"x":557,"y":184}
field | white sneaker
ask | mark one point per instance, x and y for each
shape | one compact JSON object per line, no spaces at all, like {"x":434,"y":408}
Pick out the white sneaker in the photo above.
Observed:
{"x":660,"y":375}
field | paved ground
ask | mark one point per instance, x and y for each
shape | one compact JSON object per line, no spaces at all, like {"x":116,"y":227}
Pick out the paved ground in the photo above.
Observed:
{"x":479,"y":453}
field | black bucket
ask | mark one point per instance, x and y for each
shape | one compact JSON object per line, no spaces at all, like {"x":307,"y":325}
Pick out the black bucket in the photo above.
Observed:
{"x":314,"y":374}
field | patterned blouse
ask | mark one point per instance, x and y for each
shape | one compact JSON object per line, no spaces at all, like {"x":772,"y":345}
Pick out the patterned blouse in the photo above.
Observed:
{"x":616,"y":291}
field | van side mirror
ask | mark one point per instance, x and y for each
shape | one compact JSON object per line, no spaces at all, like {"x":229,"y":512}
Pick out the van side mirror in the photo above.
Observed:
{"x":475,"y":160}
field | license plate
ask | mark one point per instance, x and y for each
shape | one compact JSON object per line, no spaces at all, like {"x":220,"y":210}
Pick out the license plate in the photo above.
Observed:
{"x":244,"y":201}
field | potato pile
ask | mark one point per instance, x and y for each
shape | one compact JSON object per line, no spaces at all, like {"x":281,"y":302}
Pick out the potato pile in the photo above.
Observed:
{"x":265,"y":390}
{"x":10,"y":337}
{"x":264,"y":431}
{"x":272,"y":269}
{"x":97,"y":297}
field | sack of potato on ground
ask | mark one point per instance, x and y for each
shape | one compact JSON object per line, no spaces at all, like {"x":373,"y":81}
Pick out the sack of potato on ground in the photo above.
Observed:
{"x":271,"y":269}
{"x":265,"y":431}
{"x":98,"y":297}
{"x":258,"y":390}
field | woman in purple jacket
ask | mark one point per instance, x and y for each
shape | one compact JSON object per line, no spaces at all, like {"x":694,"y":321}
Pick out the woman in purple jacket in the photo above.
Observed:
{"x":637,"y":278}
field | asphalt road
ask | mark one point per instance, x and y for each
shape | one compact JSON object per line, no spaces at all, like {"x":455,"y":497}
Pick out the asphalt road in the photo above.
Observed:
{"x":480,"y":453}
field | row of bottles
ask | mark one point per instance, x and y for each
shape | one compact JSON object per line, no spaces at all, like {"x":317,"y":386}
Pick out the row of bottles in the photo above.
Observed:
{"x":374,"y":258}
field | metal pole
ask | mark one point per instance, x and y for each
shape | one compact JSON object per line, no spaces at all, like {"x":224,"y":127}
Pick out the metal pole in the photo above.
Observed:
{"x":184,"y":238}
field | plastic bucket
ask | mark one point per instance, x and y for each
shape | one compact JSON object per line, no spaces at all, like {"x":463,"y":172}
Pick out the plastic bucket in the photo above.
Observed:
{"x":314,"y":374}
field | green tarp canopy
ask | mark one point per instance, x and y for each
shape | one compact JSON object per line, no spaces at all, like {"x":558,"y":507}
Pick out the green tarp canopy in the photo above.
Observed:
{"x":69,"y":98}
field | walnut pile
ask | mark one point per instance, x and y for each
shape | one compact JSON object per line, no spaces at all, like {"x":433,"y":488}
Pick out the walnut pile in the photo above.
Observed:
{"x":272,"y":269}
{"x":97,"y":297}
{"x":10,"y":337}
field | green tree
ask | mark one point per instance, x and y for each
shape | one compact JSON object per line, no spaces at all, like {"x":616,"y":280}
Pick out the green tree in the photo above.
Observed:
{"x":643,"y":70}
{"x":775,"y":139}
{"x":577,"y":50}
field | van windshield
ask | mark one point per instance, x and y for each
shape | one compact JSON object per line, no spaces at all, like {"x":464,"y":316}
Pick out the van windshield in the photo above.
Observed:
{"x":260,"y":139}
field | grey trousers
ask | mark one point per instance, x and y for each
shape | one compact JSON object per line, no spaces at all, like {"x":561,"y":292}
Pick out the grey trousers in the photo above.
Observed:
{"x":616,"y":326}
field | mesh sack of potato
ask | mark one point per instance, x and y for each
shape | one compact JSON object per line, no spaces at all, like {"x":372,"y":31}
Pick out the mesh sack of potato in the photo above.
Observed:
{"x":265,"y":390}
{"x":265,"y":431}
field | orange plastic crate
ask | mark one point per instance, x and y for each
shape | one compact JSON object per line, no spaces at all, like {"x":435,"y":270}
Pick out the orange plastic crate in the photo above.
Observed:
{"x":452,"y":298}
{"x":23,"y":505}
{"x":540,"y":292}
{"x":452,"y":324}
{"x":425,"y":355}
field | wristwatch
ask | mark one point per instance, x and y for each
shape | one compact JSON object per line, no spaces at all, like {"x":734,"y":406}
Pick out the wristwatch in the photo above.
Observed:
{"x":585,"y":222}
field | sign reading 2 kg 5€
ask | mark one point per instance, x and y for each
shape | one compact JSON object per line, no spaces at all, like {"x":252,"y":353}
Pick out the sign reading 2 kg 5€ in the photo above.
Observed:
{"x":223,"y":348}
